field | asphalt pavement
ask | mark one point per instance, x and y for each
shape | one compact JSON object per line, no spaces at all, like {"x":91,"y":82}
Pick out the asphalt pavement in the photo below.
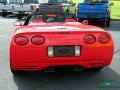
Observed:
{"x":106,"y":79}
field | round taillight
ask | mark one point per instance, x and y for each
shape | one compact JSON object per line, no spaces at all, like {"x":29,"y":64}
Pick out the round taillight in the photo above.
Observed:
{"x":21,"y":40}
{"x":103,"y":38}
{"x":38,"y":40}
{"x":89,"y":39}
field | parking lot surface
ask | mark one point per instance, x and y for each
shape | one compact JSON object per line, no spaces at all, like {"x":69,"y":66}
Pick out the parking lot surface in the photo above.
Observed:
{"x":106,"y":79}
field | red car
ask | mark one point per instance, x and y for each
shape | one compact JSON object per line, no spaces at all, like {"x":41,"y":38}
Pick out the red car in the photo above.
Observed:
{"x":46,"y":41}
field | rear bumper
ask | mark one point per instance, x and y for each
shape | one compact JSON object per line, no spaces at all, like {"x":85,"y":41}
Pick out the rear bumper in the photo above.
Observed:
{"x":21,"y":12}
{"x":92,"y":16}
{"x":36,"y":59}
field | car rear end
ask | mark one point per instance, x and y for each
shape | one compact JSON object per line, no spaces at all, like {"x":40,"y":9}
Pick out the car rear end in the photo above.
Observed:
{"x":50,"y":8}
{"x":24,"y":7}
{"x":67,"y":5}
{"x":5,"y":7}
{"x":91,"y":11}
{"x":34,"y":51}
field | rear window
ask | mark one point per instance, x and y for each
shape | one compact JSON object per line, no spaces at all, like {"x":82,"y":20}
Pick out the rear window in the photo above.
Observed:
{"x":31,"y":1}
{"x":15,"y":1}
{"x":3,"y":1}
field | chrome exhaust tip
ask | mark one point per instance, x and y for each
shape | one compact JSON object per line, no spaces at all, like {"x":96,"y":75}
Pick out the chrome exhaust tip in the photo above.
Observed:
{"x":52,"y":70}
{"x":75,"y":69}
{"x":47,"y":70}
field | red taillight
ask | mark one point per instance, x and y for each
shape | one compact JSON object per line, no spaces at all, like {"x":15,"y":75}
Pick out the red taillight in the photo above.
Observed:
{"x":21,"y":40}
{"x":62,"y":7}
{"x":38,"y":40}
{"x":89,"y":39}
{"x":31,"y":7}
{"x":103,"y":38}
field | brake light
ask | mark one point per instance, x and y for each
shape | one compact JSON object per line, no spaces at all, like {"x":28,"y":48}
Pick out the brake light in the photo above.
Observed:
{"x":31,"y":7}
{"x":62,"y":7}
{"x":103,"y":38}
{"x":51,"y":15}
{"x":89,"y":39}
{"x":38,"y":40}
{"x":21,"y":40}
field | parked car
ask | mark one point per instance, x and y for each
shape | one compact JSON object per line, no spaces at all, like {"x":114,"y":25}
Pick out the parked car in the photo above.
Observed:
{"x":24,"y":7}
{"x":48,"y":40}
{"x":5,"y":7}
{"x":66,"y":5}
{"x":94,"y":10}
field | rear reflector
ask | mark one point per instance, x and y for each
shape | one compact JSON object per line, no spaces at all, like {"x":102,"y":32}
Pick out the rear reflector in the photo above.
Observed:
{"x":89,"y":39}
{"x":103,"y":38}
{"x":38,"y":40}
{"x":21,"y":40}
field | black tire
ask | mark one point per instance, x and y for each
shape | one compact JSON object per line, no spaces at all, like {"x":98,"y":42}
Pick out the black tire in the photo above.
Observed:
{"x":96,"y":69}
{"x":108,"y":22}
{"x":4,"y":13}
{"x":80,"y":20}
{"x":19,"y":16}
{"x":37,"y":10}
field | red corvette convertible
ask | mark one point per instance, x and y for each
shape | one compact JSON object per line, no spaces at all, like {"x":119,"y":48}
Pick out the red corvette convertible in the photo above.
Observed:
{"x":46,"y":41}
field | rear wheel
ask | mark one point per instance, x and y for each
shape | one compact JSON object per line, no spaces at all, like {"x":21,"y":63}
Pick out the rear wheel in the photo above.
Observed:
{"x":80,"y":20}
{"x":4,"y":13}
{"x":96,"y":69}
{"x":19,"y":16}
{"x":107,"y":22}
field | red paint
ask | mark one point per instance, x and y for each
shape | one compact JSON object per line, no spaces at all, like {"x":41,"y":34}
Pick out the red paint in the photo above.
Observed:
{"x":34,"y":57}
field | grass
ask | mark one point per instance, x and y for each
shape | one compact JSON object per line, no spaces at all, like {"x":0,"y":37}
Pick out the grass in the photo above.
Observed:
{"x":115,"y":9}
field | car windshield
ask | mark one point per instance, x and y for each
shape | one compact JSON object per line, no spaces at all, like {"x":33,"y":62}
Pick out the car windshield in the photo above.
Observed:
{"x":96,"y":1}
{"x":31,"y":1}
{"x":48,"y":18}
{"x":3,"y":1}
{"x":15,"y":1}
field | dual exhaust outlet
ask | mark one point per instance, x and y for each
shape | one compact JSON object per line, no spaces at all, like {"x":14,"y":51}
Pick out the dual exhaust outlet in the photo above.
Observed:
{"x":52,"y":70}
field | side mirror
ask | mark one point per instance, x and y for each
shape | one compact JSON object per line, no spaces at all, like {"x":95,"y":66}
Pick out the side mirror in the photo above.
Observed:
{"x":111,"y":4}
{"x":19,"y":23}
